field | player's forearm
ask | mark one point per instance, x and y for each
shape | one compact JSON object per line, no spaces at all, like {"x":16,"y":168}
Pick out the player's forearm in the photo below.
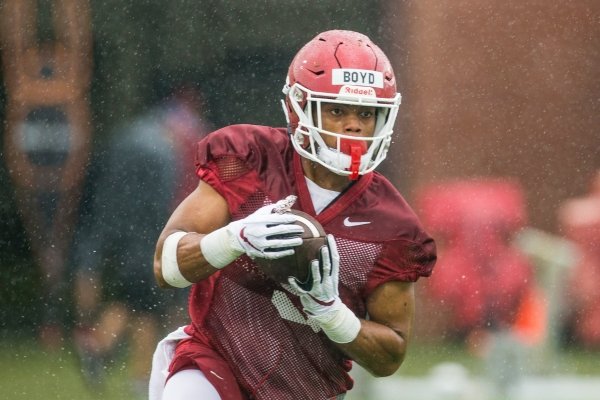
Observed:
{"x":377,"y":348}
{"x":186,"y":257}
{"x":190,"y":261}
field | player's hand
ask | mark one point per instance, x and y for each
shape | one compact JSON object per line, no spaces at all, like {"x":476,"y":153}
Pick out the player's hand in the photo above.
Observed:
{"x":269,"y":232}
{"x":266,"y":233}
{"x":322,"y":302}
{"x":323,"y":293}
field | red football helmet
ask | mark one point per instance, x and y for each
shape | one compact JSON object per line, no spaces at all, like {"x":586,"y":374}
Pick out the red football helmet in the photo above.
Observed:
{"x":341,"y":67}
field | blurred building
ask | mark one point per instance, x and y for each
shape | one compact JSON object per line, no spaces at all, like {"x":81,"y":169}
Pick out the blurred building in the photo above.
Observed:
{"x":498,"y":89}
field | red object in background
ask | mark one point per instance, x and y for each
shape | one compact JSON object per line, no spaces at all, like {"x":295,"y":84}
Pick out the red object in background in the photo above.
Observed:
{"x":480,"y":278}
{"x":580,"y":220}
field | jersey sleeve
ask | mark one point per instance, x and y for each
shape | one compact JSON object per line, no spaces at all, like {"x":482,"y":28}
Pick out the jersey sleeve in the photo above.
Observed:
{"x":403,"y":260}
{"x":410,"y":253}
{"x":407,"y":260}
{"x":234,"y":160}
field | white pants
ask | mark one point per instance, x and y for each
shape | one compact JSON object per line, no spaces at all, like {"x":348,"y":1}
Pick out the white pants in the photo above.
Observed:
{"x":182,"y":384}
{"x":189,"y":384}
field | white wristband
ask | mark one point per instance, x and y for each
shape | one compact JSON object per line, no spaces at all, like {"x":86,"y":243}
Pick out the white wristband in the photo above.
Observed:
{"x":340,"y":324}
{"x":170,"y":268}
{"x":217,"y":248}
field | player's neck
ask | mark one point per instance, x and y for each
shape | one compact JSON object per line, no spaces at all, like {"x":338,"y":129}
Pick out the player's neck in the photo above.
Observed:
{"x":324,"y":177}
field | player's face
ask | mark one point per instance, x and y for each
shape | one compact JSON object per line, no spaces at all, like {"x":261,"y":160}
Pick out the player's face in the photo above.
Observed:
{"x":346,"y":119}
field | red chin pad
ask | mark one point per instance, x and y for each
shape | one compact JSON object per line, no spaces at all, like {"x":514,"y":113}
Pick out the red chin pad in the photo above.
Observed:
{"x":355,"y":149}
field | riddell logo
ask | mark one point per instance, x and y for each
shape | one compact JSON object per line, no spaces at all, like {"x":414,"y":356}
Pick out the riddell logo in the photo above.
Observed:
{"x":358,"y":91}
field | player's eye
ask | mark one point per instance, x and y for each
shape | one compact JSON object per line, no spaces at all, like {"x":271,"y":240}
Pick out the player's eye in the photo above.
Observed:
{"x":367,"y":114}
{"x":336,"y":111}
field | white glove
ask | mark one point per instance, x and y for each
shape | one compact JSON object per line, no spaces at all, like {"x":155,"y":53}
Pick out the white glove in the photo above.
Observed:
{"x":269,"y":232}
{"x":322,"y":302}
{"x":322,"y":290}
{"x":265,"y":234}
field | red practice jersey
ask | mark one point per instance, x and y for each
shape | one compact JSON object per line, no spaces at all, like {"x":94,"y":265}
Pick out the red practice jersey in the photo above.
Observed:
{"x":256,"y":324}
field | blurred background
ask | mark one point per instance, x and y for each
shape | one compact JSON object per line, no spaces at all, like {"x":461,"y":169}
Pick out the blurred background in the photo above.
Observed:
{"x":497,"y":148}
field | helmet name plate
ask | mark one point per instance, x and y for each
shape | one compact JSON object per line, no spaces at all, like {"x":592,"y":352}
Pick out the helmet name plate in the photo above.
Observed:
{"x":360,"y":77}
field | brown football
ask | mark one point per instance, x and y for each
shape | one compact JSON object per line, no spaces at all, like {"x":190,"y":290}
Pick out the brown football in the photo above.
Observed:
{"x":298,"y":264}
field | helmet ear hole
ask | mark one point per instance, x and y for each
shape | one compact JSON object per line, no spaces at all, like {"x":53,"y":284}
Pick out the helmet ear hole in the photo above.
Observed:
{"x":294,"y":95}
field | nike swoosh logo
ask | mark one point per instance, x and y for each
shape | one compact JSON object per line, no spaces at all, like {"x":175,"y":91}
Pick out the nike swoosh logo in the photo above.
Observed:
{"x":347,"y":222}
{"x":245,"y":239}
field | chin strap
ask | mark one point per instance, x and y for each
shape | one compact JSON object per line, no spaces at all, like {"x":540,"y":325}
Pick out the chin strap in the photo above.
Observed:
{"x":350,"y":157}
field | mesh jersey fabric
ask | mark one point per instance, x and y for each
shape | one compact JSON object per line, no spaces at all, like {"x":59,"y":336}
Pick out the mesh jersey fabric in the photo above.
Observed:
{"x":256,"y":324}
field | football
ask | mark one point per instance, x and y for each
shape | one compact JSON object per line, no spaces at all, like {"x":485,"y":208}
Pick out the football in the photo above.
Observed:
{"x":298,"y":264}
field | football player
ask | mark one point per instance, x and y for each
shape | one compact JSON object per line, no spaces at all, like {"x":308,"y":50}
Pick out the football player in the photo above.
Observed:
{"x":249,"y":336}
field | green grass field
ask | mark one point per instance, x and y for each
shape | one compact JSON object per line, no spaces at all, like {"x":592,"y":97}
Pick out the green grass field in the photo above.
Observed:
{"x":29,"y":372}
